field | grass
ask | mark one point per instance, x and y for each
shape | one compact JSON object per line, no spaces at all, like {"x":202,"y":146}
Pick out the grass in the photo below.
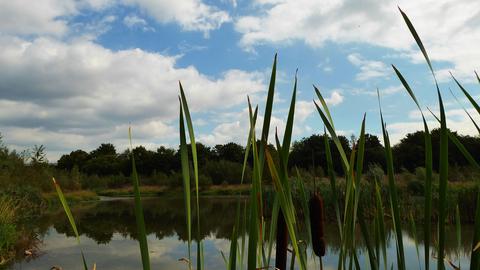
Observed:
{"x":289,"y":193}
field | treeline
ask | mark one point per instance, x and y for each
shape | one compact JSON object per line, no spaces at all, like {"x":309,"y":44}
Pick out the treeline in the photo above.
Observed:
{"x":105,"y":167}
{"x":221,"y":164}
{"x":408,"y":154}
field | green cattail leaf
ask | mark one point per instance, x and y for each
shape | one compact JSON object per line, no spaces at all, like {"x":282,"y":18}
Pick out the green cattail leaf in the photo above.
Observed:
{"x":465,"y":110}
{"x":140,"y":221}
{"x":443,"y":183}
{"x":268,"y":115}
{"x":469,"y":97}
{"x":333,"y":184}
{"x":366,"y":238}
{"x":393,"y":193}
{"x":417,"y":40}
{"x":335,"y":139}
{"x":70,"y":218}
{"x":193,"y":146}
{"x":475,"y":255}
{"x":380,"y":216}
{"x":287,"y":137}
{"x":186,"y":182}
{"x":428,"y":170}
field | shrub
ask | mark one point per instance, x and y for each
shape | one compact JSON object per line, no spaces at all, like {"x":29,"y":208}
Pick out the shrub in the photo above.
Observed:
{"x":374,"y":172}
{"x":416,"y":187}
{"x":225,"y":171}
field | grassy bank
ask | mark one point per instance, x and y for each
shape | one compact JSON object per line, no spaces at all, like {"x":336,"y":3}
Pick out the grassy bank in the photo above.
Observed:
{"x":173,"y":191}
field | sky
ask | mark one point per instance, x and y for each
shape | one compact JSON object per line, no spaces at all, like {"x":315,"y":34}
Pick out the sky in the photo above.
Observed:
{"x":77,"y":73}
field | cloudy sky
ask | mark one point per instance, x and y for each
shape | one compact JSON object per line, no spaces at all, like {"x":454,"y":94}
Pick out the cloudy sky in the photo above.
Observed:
{"x":77,"y":73}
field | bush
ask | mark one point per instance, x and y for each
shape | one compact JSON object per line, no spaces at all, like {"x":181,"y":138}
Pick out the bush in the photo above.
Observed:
{"x":416,"y":187}
{"x":226,"y":171}
{"x":421,"y":174}
{"x":374,"y":172}
{"x":8,"y":233}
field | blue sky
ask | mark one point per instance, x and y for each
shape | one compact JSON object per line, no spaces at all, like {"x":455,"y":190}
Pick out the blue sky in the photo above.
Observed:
{"x":74,"y":74}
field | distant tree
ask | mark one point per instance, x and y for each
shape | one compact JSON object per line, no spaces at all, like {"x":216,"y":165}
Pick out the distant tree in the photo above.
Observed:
{"x":144,"y":160}
{"x":230,"y":151}
{"x":374,"y":152}
{"x":103,"y":161}
{"x":166,"y":160}
{"x":204,"y":153}
{"x":310,"y":152}
{"x":77,"y":157}
{"x":409,"y":153}
{"x":38,"y":155}
{"x":104,"y":149}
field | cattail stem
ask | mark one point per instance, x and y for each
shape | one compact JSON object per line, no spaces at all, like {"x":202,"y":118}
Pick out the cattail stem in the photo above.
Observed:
{"x":282,"y":242}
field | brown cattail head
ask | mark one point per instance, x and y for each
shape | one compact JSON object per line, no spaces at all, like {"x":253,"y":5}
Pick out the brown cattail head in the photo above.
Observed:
{"x":317,"y":224}
{"x":282,"y":242}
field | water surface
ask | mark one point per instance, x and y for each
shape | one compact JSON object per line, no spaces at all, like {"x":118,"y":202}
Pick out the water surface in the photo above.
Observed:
{"x":108,"y":237}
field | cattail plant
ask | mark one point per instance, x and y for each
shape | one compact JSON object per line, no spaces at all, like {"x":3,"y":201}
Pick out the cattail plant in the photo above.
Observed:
{"x":317,"y":221}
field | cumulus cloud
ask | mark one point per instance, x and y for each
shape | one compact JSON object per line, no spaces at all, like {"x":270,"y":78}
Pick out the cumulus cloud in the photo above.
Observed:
{"x":457,"y":120}
{"x":81,"y":90}
{"x":133,"y":21}
{"x":51,"y":17}
{"x":335,"y":98}
{"x":368,"y":69}
{"x":35,"y":17}
{"x":191,"y":15}
{"x":449,"y":30}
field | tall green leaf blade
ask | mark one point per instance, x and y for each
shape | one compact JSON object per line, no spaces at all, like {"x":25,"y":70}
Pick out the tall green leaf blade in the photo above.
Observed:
{"x":443,"y":182}
{"x":381,"y":223}
{"x":366,"y":237}
{"x":70,"y":218}
{"x":193,"y":145}
{"x":287,"y":138}
{"x":142,"y":235}
{"x":335,"y":139}
{"x":267,"y":115}
{"x":393,"y":193}
{"x":469,"y":97}
{"x":465,"y":110}
{"x":475,"y":255}
{"x":428,"y":170}
{"x":186,"y":181}
{"x":333,"y":182}
{"x":286,"y":208}
{"x":418,"y":40}
{"x":232,"y":258}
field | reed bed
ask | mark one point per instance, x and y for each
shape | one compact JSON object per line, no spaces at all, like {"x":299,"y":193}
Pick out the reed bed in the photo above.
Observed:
{"x":291,"y":214}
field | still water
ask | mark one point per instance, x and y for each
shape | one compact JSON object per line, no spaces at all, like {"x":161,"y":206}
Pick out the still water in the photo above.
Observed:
{"x":108,"y":237}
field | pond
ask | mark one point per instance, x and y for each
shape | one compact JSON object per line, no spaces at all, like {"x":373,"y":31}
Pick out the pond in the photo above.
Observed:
{"x":108,"y":237}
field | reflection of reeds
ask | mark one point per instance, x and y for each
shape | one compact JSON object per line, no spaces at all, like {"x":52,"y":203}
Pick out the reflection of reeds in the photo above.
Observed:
{"x":282,"y":243}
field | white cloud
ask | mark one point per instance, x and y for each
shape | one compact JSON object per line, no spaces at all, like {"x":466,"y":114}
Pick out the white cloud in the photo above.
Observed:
{"x":35,"y":17}
{"x":449,"y":30}
{"x":457,"y":120}
{"x":368,"y":69}
{"x":84,"y":93}
{"x":135,"y":22}
{"x":335,"y":98}
{"x":191,"y":15}
{"x":24,"y":17}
